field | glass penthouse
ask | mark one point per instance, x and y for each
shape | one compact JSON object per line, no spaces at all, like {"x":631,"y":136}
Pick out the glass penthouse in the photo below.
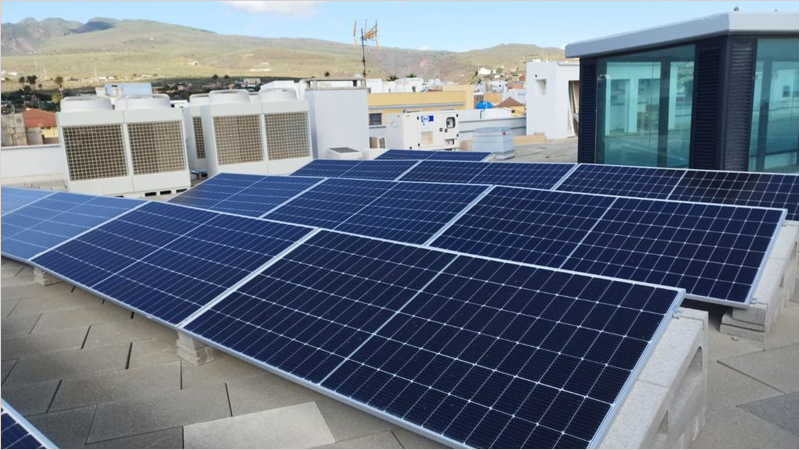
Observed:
{"x":720,"y":92}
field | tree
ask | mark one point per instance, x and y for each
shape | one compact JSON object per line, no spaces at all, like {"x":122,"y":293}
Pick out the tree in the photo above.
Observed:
{"x":59,"y":80}
{"x":57,"y":97}
{"x":226,"y":77}
{"x":215,"y":78}
{"x":327,"y":74}
{"x":392,"y":78}
{"x":31,"y":79}
{"x":411,"y":75}
{"x":22,"y":81}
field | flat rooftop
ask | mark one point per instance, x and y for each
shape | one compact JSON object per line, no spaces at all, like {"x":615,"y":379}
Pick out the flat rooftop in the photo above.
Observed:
{"x":736,"y":22}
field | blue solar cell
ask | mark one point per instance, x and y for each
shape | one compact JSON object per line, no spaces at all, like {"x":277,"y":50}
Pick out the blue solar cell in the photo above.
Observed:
{"x":477,"y":352}
{"x":166,"y":260}
{"x":331,"y":203}
{"x":645,"y":182}
{"x":533,"y":175}
{"x":406,"y":212}
{"x":445,"y":171}
{"x":768,"y":190}
{"x":411,"y":212}
{"x":531,"y":226}
{"x":50,"y":221}
{"x":330,"y":168}
{"x":379,"y":170}
{"x":248,"y":195}
{"x":715,"y":252}
{"x":15,"y":198}
{"x":434,"y":155}
{"x":17,"y":432}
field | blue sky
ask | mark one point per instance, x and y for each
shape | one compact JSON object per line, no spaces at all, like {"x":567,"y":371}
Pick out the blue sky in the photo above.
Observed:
{"x":455,"y":26}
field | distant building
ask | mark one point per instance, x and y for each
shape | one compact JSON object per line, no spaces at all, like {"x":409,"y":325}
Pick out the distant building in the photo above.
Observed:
{"x":552,"y":98}
{"x":449,"y":98}
{"x":13,"y":126}
{"x":125,"y":89}
{"x":719,"y":92}
{"x":40,"y":127}
{"x":251,"y":82}
{"x":517,"y":109}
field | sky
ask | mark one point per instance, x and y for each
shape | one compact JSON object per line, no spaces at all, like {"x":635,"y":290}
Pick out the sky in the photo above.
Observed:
{"x":453,"y":26}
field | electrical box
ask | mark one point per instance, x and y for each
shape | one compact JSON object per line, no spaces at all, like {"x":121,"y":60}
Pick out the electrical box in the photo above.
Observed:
{"x":426,"y":130}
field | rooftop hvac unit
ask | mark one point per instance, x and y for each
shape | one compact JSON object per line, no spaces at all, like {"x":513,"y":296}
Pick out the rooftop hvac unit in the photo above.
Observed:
{"x":193,"y":124}
{"x":156,"y":142}
{"x":425,"y":130}
{"x":287,"y":130}
{"x":94,"y":148}
{"x":233,"y":133}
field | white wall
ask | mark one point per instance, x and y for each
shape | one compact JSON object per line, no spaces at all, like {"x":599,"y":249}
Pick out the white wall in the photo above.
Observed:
{"x":339,"y":118}
{"x":467,"y":127}
{"x":547,"y":95}
{"x":31,"y":163}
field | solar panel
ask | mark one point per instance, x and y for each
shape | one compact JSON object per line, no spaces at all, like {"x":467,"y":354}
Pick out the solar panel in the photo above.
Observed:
{"x":645,"y":182}
{"x":52,"y":220}
{"x":741,"y":188}
{"x":468,"y":351}
{"x":17,"y":432}
{"x":331,"y":168}
{"x":767,"y":190}
{"x":715,"y":252}
{"x":434,"y":155}
{"x":371,"y":170}
{"x":533,"y":175}
{"x":167,"y":261}
{"x":14,"y":198}
{"x":530,"y":226}
{"x":406,"y":212}
{"x":445,"y":171}
{"x":248,"y":195}
{"x":379,"y":170}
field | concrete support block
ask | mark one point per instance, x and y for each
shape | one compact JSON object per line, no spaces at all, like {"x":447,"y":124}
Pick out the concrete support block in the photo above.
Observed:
{"x":195,"y":352}
{"x":775,"y":289}
{"x":666,"y":407}
{"x":44,"y":278}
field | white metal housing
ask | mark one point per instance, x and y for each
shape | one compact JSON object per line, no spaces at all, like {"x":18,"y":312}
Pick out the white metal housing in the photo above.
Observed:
{"x":193,"y":124}
{"x":233,"y":133}
{"x":287,"y":130}
{"x":426,"y":130}
{"x":339,"y":118}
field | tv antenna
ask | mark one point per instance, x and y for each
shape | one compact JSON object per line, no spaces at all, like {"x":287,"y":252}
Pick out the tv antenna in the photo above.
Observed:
{"x":367,"y":34}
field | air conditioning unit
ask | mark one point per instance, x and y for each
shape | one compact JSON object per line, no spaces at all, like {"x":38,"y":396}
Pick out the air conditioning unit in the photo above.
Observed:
{"x":193,"y":124}
{"x":93,"y":142}
{"x":233,"y":133}
{"x":156,"y":143}
{"x":287,"y":130}
{"x":339,"y":114}
{"x":425,"y":130}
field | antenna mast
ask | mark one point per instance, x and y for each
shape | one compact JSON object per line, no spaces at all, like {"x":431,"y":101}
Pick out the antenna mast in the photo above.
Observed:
{"x":366,"y":35}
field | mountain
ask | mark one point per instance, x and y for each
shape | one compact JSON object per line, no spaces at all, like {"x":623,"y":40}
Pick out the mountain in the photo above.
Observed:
{"x":129,"y":48}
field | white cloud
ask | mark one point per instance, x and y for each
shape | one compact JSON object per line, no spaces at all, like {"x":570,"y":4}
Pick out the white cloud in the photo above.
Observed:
{"x":290,"y":8}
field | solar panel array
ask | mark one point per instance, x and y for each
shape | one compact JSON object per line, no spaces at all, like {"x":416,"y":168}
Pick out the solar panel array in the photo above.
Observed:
{"x":406,"y":212}
{"x":434,"y":155}
{"x":248,"y":195}
{"x":715,"y":252}
{"x":370,"y":170}
{"x":767,"y":190}
{"x":16,"y":432}
{"x":14,"y":198}
{"x":167,"y":261}
{"x":469,"y":351}
{"x":53,"y":219}
{"x":533,"y":175}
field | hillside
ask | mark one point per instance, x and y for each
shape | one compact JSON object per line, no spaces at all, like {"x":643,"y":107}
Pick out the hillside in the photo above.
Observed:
{"x":128,"y":48}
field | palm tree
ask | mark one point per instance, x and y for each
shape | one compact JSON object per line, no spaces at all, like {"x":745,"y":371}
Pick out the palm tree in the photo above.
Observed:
{"x":215,"y":78}
{"x":226,"y":77}
{"x":22,"y":81}
{"x":411,"y":75}
{"x":59,"y":80}
{"x":392,"y":78}
{"x":31,"y":79}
